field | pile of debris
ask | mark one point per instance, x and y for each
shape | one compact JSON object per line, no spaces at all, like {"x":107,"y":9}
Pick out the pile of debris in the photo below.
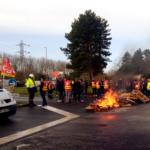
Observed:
{"x":111,"y":100}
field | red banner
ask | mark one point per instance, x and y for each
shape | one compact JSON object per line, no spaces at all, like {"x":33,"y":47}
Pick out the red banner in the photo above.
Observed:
{"x":55,"y":74}
{"x":7,"y":70}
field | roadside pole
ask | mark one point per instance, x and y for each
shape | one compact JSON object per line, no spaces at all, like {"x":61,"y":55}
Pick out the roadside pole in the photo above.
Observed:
{"x":3,"y":81}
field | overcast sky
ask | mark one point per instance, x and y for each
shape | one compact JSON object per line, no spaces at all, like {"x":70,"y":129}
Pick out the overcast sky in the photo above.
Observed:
{"x":43,"y":23}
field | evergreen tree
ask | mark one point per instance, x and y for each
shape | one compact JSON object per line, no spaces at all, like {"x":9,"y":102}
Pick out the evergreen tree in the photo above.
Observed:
{"x":146,"y":54}
{"x":138,"y":62}
{"x":89,"y":44}
{"x":127,"y":58}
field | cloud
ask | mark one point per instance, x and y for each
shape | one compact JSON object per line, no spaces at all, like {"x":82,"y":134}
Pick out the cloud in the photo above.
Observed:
{"x":55,"y":17}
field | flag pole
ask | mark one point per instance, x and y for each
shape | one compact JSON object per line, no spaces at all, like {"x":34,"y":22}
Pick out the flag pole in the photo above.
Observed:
{"x":3,"y":81}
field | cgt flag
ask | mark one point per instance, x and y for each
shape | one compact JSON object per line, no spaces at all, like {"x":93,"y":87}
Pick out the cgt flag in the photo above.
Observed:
{"x":7,"y":70}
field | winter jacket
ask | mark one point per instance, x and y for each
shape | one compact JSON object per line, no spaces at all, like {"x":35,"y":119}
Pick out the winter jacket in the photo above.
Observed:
{"x":82,"y":86}
{"x":77,"y":87}
{"x":60,"y":86}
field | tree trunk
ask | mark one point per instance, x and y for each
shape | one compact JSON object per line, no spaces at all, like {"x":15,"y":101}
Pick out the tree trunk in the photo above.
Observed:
{"x":91,"y":75}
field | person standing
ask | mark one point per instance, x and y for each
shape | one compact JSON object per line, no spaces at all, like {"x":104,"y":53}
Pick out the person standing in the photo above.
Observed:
{"x":93,"y":86}
{"x":60,"y":89}
{"x":102,"y":86}
{"x":50,"y":89}
{"x":136,"y":85}
{"x":98,"y":89}
{"x":68,"y":90}
{"x":43,"y":90}
{"x":32,"y":89}
{"x":116,"y":84}
{"x":143,"y":86}
{"x":86,"y":86}
{"x":82,"y":90}
{"x":106,"y":85}
{"x":76,"y":90}
{"x":148,"y":88}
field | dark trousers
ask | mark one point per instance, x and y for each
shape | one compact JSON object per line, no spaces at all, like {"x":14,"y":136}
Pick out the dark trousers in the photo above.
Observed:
{"x":43,"y":97}
{"x":60,"y":95}
{"x":85,"y":90}
{"x":31,"y":97}
{"x":75,"y":96}
{"x":94,"y":90}
{"x":50,"y":93}
{"x":105,"y":90}
{"x":98,"y":93}
{"x":144,"y":91}
{"x":148,"y":93}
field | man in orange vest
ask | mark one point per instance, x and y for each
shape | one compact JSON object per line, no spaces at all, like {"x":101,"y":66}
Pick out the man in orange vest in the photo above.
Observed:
{"x":116,"y":84}
{"x":93,"y":86}
{"x":106,"y":85}
{"x":136,"y":85}
{"x":50,"y":89}
{"x":68,"y":90}
{"x":98,"y":89}
{"x":43,"y":90}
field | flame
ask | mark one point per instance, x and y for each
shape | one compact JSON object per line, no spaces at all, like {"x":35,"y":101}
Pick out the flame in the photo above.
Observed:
{"x":110,"y":100}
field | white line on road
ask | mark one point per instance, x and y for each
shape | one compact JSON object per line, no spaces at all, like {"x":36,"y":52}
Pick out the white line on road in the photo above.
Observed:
{"x":68,"y":116}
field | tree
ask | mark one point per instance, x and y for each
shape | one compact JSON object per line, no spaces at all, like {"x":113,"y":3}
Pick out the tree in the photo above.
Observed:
{"x":127,"y":58}
{"x":89,"y":44}
{"x":146,"y":54}
{"x":138,"y":62}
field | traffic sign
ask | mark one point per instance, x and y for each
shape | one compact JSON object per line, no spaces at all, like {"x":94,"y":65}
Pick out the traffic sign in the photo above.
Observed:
{"x":12,"y":82}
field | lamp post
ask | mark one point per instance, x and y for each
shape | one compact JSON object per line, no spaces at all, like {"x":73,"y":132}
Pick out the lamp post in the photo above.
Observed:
{"x":46,"y":62}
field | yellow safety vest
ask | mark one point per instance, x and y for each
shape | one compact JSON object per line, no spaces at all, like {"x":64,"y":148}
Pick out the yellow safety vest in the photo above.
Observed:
{"x":148,"y":86}
{"x":30,"y":83}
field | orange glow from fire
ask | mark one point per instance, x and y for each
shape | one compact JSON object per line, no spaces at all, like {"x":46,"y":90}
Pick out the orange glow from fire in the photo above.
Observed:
{"x":110,"y":100}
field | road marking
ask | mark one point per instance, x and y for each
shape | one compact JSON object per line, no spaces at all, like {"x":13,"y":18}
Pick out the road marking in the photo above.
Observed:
{"x":68,"y":116}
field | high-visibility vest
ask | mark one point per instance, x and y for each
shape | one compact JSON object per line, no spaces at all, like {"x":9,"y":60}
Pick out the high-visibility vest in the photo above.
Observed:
{"x":45,"y":86}
{"x":68,"y":86}
{"x":106,"y":84}
{"x":97,"y":85}
{"x":50,"y":86}
{"x":72,"y":82}
{"x":148,"y":86}
{"x":116,"y":83}
{"x":137,"y":86}
{"x":30,"y":83}
{"x":93,"y":84}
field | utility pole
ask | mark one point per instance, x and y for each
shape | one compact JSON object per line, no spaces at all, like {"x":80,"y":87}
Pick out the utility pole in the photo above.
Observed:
{"x":22,"y":53}
{"x":46,"y":62}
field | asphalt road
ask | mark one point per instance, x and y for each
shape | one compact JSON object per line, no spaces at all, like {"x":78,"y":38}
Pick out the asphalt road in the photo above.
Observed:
{"x":122,"y":128}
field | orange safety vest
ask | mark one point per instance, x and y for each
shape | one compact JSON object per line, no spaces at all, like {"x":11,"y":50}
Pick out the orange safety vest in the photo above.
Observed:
{"x":116,"y":84}
{"x":93,"y":84}
{"x":68,"y":86}
{"x":45,"y":86}
{"x":97,"y":85}
{"x":106,"y":85}
{"x":50,"y":86}
{"x":137,"y":86}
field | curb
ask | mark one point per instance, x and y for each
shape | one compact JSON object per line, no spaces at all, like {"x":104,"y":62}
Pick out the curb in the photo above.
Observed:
{"x":22,"y":105}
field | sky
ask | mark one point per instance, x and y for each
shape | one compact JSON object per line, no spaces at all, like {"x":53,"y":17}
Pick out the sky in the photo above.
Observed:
{"x":43,"y":23}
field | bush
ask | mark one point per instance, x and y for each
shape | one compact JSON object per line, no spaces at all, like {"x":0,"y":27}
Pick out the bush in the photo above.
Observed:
{"x":20,"y":84}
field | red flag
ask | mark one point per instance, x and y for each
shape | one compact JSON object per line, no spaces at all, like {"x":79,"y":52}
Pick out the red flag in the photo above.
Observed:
{"x":7,"y":70}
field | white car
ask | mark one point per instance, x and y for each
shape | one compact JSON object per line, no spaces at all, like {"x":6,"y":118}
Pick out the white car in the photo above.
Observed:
{"x":8,"y":106}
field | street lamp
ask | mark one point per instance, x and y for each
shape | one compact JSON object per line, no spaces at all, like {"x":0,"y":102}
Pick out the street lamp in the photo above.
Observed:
{"x":46,"y":59}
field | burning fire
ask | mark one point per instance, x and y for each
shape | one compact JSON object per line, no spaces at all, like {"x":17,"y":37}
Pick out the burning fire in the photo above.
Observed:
{"x":109,"y":100}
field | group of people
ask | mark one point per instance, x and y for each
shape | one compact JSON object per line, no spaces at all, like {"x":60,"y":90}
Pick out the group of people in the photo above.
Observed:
{"x":69,"y":90}
{"x":142,"y":84}
{"x":100,"y":86}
